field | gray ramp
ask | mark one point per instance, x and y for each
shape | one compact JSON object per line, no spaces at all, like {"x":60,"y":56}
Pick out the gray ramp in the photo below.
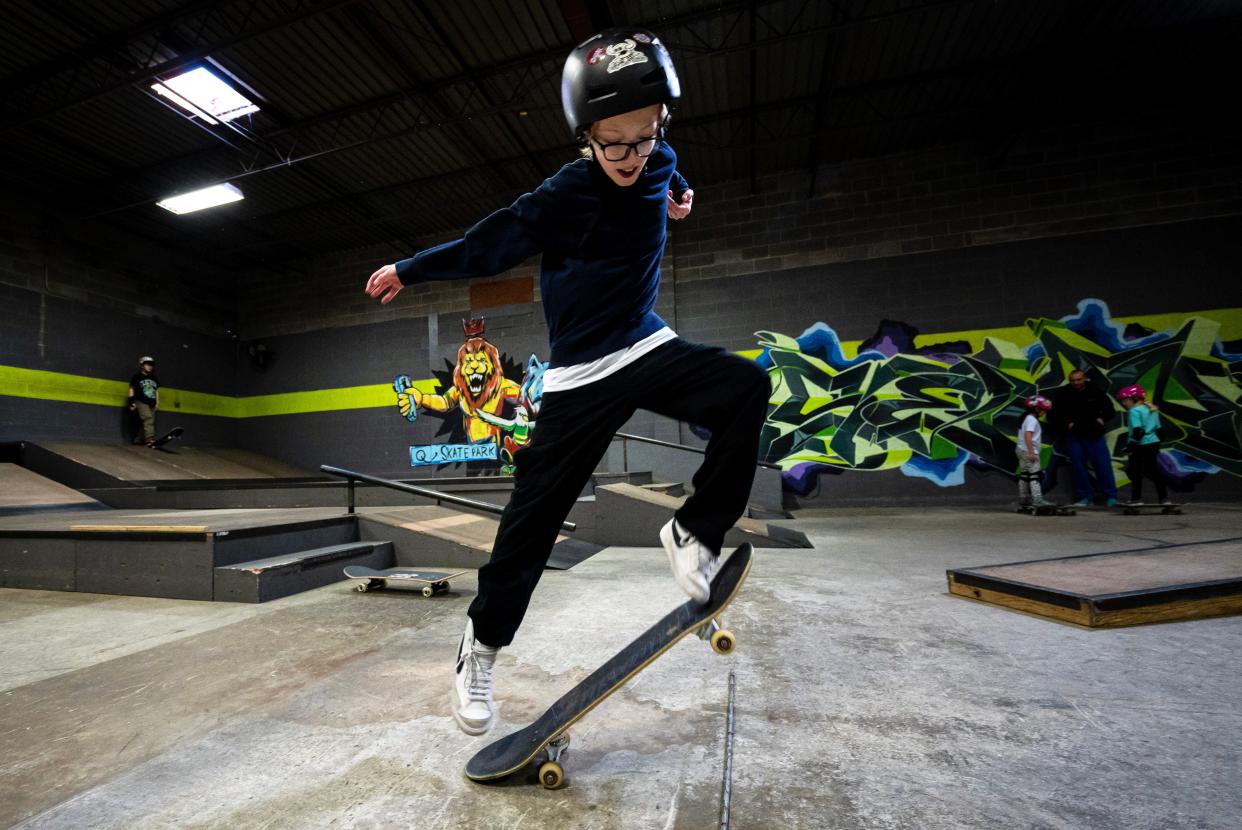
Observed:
{"x":23,"y":491}
{"x":175,"y":461}
{"x":632,"y":516}
{"x":425,"y":535}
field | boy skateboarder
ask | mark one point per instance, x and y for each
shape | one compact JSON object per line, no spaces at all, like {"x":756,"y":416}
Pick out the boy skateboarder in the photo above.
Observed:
{"x":600,"y":224}
{"x":144,"y":398}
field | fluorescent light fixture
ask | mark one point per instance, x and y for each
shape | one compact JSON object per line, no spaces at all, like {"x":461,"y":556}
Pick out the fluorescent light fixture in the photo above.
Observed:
{"x":217,"y":194}
{"x":203,"y":94}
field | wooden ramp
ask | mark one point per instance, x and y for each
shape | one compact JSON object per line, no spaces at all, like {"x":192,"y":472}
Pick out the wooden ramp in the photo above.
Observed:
{"x":1104,"y":590}
{"x":426,"y":535}
{"x":176,"y":461}
{"x":22,"y":491}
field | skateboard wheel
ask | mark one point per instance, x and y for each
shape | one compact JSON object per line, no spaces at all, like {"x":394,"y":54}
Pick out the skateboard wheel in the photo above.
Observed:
{"x":361,"y":588}
{"x":551,"y":776}
{"x":723,"y":641}
{"x":428,"y":591}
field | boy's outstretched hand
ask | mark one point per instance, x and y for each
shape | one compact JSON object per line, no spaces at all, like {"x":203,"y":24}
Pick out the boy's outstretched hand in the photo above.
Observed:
{"x":385,"y":282}
{"x":680,"y":210}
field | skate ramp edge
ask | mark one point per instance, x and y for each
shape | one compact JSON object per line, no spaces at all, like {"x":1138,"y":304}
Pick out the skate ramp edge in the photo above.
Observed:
{"x":631,"y":516}
{"x":1107,"y":590}
{"x":25,"y":491}
{"x":83,"y":465}
{"x":444,"y":537}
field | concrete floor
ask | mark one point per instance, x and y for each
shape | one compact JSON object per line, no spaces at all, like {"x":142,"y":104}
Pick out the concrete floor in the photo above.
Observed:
{"x":866,"y":698}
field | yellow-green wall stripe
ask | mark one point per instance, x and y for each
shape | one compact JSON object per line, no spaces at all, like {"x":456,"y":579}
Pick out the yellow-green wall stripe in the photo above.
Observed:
{"x":18,"y":382}
{"x":58,"y":386}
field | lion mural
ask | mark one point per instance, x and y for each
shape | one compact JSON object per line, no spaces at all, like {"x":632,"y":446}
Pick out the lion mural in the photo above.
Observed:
{"x":479,"y":386}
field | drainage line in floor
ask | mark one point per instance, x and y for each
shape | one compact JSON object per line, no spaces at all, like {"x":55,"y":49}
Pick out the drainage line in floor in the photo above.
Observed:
{"x":726,"y":793}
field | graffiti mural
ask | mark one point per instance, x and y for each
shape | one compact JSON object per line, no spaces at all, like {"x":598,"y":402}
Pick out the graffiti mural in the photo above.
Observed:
{"x":931,"y":411}
{"x":497,"y":413}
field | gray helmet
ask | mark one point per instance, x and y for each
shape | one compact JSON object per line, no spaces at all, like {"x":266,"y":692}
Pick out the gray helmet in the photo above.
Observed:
{"x":616,"y":71}
{"x":145,"y":359}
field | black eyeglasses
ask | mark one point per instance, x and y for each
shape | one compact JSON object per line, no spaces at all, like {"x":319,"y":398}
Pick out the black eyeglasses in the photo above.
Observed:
{"x":620,"y":150}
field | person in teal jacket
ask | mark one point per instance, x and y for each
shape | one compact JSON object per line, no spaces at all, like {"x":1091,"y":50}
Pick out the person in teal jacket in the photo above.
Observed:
{"x":1143,"y":443}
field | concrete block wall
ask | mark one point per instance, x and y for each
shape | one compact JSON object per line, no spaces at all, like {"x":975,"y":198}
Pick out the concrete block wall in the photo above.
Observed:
{"x":1154,"y":169}
{"x":86,"y":302}
{"x":1143,"y":213}
{"x":944,"y":239}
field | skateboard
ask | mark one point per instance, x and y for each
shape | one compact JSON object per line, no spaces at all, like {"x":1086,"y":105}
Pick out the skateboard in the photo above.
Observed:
{"x":1049,"y":510}
{"x":548,"y":737}
{"x":1137,"y":509}
{"x":175,"y":432}
{"x":433,"y":582}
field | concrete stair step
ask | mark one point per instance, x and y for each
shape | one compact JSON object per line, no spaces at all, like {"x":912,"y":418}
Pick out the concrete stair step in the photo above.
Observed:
{"x":260,"y":580}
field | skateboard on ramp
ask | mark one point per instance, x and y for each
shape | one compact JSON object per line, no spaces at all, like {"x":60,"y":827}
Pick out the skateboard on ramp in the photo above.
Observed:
{"x":547,"y":738}
{"x":433,"y":582}
{"x":1141,"y":508}
{"x":175,"y":432}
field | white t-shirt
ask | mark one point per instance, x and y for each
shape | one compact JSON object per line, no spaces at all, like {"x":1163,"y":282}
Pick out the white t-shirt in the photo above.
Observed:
{"x":561,"y":378}
{"x":1030,"y":424}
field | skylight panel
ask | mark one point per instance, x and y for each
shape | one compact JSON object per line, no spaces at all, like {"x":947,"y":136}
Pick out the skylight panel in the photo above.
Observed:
{"x":203,"y":94}
{"x":207,"y":197}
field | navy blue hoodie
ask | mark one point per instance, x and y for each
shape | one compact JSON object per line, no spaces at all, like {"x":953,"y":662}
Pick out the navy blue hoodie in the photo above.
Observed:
{"x":601,"y":246}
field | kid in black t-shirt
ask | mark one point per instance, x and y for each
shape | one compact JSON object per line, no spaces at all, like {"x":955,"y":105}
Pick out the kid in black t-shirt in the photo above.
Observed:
{"x":144,"y":398}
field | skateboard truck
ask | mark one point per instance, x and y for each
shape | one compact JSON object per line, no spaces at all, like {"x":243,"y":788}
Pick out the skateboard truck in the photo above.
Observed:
{"x":721,"y":638}
{"x":551,"y":773}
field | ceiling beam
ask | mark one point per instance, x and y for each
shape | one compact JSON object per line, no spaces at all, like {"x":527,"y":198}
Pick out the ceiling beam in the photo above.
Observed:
{"x":373,"y":111}
{"x":88,"y":81}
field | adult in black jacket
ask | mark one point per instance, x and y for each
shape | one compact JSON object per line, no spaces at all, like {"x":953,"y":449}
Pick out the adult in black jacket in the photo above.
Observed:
{"x":1082,"y":413}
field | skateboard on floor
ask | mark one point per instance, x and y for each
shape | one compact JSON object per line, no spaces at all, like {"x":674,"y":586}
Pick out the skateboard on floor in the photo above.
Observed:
{"x":433,"y":582}
{"x":547,"y":738}
{"x":1141,"y":507}
{"x":1049,"y":510}
{"x":175,"y":432}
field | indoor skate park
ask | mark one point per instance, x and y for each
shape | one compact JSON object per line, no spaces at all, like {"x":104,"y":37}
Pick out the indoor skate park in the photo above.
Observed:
{"x":917,"y":217}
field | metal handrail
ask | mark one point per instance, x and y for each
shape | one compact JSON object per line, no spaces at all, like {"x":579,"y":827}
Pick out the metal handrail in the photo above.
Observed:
{"x":352,"y":476}
{"x":625,"y":436}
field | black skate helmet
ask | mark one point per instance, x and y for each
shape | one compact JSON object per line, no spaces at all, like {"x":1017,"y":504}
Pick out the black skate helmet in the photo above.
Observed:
{"x":616,"y":71}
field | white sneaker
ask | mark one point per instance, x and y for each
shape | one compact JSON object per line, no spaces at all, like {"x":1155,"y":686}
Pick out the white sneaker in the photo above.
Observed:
{"x":472,"y":686}
{"x":693,"y":563}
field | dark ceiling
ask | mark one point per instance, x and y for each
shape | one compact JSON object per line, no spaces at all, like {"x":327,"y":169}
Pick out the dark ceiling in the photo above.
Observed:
{"x":396,"y":121}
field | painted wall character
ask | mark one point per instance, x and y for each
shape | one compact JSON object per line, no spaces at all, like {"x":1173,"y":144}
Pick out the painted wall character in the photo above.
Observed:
{"x":517,"y":429}
{"x":479,"y":388}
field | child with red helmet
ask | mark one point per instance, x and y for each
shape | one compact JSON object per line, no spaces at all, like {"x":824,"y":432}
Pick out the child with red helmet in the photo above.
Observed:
{"x":1142,"y":444}
{"x":600,"y":225}
{"x":1030,"y":439}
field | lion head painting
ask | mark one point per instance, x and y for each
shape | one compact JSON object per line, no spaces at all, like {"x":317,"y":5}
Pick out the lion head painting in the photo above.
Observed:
{"x":478,"y":376}
{"x":480,"y":388}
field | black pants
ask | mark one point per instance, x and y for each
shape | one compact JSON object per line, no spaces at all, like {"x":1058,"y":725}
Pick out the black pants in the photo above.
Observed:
{"x":1145,"y":463}
{"x":704,"y":385}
